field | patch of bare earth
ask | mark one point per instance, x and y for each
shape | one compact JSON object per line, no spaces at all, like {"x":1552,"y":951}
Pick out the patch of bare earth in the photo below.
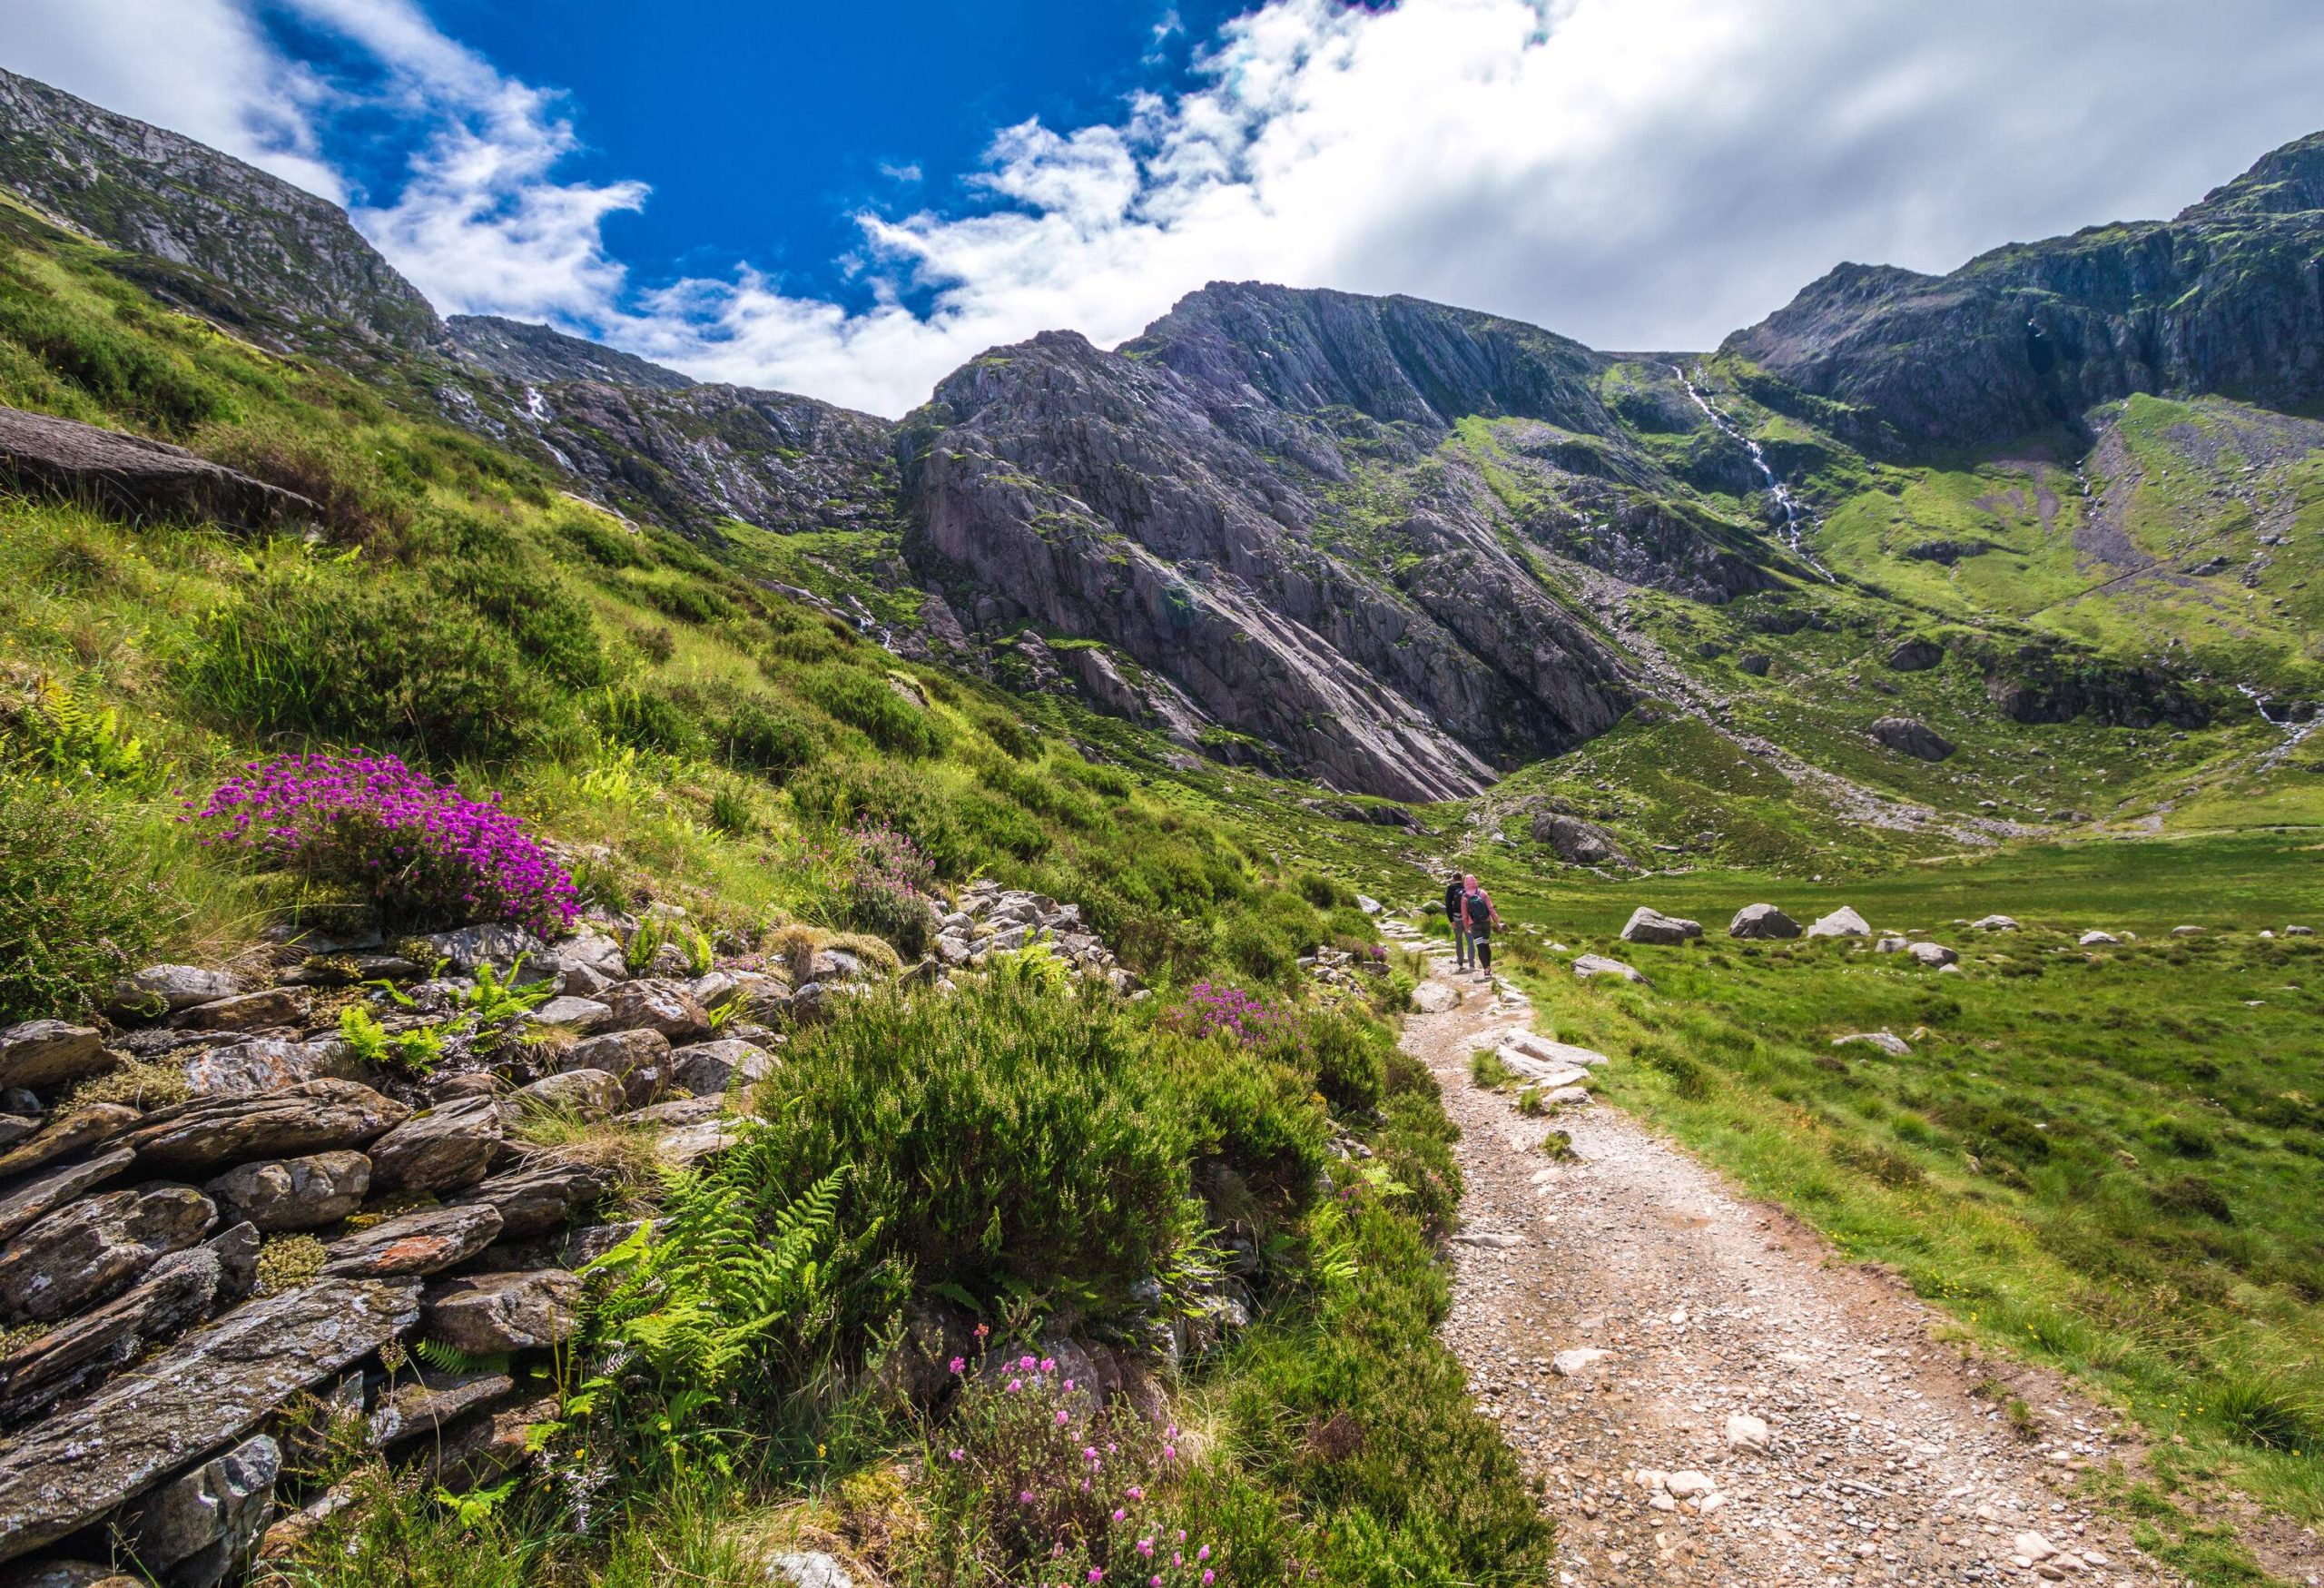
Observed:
{"x":1883,"y":1462}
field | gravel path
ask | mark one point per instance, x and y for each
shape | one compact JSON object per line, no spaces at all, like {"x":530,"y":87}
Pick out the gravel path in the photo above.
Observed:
{"x":1880,"y":1466}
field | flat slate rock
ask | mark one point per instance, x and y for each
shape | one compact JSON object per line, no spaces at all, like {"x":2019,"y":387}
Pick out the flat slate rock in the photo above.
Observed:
{"x":314,"y":1116}
{"x":424,"y":1242}
{"x":68,"y":1472}
{"x":135,"y":477}
{"x":541,"y":1195}
{"x":42,"y":1053}
{"x":175,"y":1294}
{"x":92,"y":1250}
{"x":34,"y":1200}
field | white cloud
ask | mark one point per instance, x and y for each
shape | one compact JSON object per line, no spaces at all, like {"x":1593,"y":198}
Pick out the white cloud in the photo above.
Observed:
{"x":1634,"y":173}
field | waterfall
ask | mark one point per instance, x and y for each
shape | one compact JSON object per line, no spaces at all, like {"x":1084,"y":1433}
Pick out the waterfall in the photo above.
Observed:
{"x":1776,"y":488}
{"x":2293,"y":729}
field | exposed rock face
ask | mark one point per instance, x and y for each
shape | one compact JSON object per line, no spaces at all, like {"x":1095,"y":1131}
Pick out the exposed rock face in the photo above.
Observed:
{"x":541,"y":1195}
{"x":1127,"y":500}
{"x":541,"y":355}
{"x":68,"y":1472}
{"x":1914,"y":656}
{"x":438,"y":1149}
{"x":136,"y":186}
{"x":667,"y":1008}
{"x":424,"y":1242}
{"x":2222,"y":299}
{"x":1910,"y":736}
{"x":35,"y":1199}
{"x":691,"y":456}
{"x":1762,"y":921}
{"x":175,"y":1294}
{"x":198,"y":1529}
{"x":1577,"y":842}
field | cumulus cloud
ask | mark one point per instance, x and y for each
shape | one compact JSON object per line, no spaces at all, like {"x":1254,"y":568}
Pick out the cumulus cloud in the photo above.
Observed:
{"x":1640,"y":174}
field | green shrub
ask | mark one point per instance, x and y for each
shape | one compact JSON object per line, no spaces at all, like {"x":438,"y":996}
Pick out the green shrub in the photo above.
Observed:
{"x":123,"y":372}
{"x":871,"y":704}
{"x":1003,"y":1141}
{"x":80,"y":904}
{"x":322,"y":652}
{"x":647,"y":719}
{"x":1348,"y":1054}
{"x":766,"y":739}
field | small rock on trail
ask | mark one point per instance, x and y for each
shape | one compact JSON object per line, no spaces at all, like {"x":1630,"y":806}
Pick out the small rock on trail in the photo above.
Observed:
{"x":1705,"y":1402}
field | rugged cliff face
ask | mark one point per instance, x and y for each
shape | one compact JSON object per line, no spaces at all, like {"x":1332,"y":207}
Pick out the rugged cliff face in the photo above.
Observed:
{"x":136,"y":186}
{"x":2228,"y":297}
{"x":694,"y":455}
{"x":1127,"y":497}
{"x":541,"y":354}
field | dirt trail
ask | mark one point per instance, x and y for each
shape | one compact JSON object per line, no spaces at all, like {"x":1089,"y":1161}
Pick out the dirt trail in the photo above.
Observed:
{"x":1882,"y":1466}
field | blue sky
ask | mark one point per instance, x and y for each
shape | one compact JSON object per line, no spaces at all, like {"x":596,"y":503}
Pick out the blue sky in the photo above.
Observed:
{"x":765,"y":130}
{"x":851,"y":201}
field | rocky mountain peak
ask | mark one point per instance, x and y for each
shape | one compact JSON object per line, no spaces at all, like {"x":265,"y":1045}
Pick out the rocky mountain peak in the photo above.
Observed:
{"x":136,"y":186}
{"x":2284,"y":182}
{"x":1396,"y":358}
{"x":542,"y":353}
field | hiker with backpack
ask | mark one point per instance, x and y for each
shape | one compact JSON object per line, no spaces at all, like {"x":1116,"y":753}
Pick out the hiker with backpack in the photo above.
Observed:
{"x":1453,"y":917}
{"x":1478,"y":918}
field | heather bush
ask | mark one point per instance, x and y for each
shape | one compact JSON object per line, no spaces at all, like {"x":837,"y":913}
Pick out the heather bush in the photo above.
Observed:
{"x":1214,"y":1009}
{"x":420,"y":850}
{"x":1027,"y":1481}
{"x":886,"y":888}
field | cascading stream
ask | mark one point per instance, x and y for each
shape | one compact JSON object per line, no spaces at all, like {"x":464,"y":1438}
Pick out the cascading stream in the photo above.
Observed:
{"x":1776,"y":488}
{"x":2294,"y":729}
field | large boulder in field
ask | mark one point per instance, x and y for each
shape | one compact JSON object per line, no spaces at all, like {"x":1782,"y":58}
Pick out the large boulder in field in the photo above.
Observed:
{"x":1914,"y":654}
{"x":37,"y":1054}
{"x":89,"y":1252}
{"x":68,"y":1472}
{"x":294,"y":1193}
{"x":1934,"y":955}
{"x":133,"y":477}
{"x":1841,"y":923}
{"x":1651,"y":926}
{"x":1587,"y":966}
{"x":484,"y":1314}
{"x":314,"y":1116}
{"x":1762,"y":923}
{"x":1577,"y":842}
{"x":438,"y":1149}
{"x":1911,"y":736}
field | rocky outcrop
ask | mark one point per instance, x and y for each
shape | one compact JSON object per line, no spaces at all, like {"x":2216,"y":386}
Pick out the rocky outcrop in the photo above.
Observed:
{"x":2222,"y":299}
{"x":1575,"y":841}
{"x":1910,"y":736}
{"x":541,"y":355}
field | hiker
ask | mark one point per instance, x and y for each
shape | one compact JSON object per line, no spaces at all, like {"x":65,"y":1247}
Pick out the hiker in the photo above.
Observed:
{"x":1479,"y":917}
{"x":1453,"y":889}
